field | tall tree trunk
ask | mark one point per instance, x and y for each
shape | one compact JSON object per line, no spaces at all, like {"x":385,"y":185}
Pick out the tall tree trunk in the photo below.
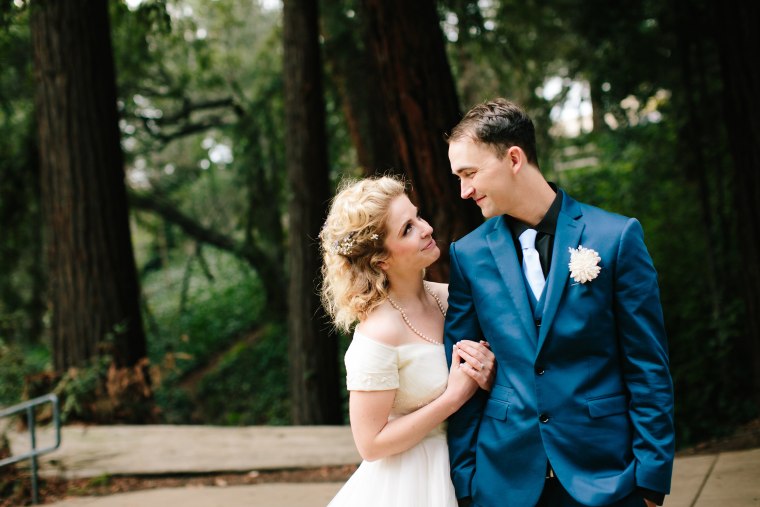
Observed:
{"x":313,"y":352}
{"x":421,"y":102}
{"x":597,"y":105}
{"x":93,"y":287}
{"x":738,"y":40}
{"x":354,"y":74}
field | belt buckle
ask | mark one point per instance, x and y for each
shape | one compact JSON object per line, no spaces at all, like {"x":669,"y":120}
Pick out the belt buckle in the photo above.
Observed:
{"x":550,"y":472}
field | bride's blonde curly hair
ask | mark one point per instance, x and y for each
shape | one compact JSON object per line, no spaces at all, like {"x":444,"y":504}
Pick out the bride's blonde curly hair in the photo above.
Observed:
{"x":353,"y":245}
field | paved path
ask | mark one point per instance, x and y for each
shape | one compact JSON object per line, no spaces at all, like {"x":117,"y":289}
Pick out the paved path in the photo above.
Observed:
{"x":92,"y":451}
{"x":730,"y":479}
{"x":264,"y":495}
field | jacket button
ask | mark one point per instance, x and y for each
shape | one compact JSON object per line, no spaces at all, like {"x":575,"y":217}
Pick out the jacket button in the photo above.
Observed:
{"x":543,"y":418}
{"x":539,"y":370}
{"x":538,"y":322}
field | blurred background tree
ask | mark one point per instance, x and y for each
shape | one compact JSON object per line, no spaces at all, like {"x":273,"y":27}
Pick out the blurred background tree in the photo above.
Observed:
{"x":92,"y":286}
{"x":642,"y":107}
{"x":314,"y":390}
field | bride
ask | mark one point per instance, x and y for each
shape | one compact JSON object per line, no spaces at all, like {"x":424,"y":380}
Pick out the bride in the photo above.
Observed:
{"x":375,"y":251}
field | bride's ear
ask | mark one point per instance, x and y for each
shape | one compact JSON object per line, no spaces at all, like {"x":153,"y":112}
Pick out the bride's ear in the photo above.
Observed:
{"x":382,"y":265}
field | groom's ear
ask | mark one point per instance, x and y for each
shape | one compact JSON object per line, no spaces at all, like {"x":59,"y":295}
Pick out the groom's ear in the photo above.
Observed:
{"x":516,"y":158}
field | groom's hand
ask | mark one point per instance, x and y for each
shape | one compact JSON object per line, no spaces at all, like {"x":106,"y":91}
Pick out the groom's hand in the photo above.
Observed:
{"x":651,"y":498}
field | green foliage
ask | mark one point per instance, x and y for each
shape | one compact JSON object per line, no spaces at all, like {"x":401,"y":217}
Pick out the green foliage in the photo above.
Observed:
{"x":211,"y":323}
{"x":100,"y":481}
{"x":176,"y":405}
{"x":214,"y":312}
{"x":250,"y":383}
{"x":17,"y":362}
{"x":79,"y":389}
{"x":21,"y":286}
{"x":209,"y":81}
{"x":174,"y":62}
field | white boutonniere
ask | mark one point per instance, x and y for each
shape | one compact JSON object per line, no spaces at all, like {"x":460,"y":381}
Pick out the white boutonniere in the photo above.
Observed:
{"x":584,"y":264}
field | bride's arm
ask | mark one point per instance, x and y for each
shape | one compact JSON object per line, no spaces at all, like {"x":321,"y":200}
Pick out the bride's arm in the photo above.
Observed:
{"x":376,"y":437}
{"x":477,"y":354}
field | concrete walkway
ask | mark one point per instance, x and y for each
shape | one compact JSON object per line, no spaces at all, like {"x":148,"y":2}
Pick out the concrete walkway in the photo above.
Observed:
{"x":269,"y":495}
{"x":93,"y":451}
{"x":730,"y":479}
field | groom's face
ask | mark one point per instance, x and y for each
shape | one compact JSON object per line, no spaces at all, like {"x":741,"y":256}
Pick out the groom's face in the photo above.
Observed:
{"x":483,"y":177}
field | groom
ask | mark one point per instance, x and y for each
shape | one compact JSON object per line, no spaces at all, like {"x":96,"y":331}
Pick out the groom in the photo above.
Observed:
{"x":581,"y":412}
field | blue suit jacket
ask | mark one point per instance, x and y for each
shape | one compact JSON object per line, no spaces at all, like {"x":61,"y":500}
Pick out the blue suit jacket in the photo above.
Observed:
{"x":597,"y":367}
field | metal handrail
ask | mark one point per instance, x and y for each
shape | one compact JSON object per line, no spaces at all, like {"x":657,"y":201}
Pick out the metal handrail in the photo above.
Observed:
{"x":28,"y":407}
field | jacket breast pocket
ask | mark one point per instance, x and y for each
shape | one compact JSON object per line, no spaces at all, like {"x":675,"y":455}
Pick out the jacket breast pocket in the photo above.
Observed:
{"x":497,"y":405}
{"x":607,"y":405}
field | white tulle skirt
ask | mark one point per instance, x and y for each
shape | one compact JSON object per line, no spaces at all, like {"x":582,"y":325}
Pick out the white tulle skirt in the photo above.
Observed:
{"x":418,"y":477}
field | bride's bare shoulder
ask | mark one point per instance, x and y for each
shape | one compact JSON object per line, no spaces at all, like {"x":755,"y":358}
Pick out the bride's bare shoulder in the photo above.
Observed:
{"x":383,"y":325}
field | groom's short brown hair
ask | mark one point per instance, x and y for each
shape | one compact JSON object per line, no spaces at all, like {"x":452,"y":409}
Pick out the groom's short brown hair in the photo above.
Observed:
{"x":500,"y":124}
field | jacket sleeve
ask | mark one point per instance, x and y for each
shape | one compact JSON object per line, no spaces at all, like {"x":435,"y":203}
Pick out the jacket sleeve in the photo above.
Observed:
{"x":646,"y":373}
{"x":461,"y":323}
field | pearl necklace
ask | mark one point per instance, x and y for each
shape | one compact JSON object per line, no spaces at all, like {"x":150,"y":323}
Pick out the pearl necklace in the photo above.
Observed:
{"x":406,"y":319}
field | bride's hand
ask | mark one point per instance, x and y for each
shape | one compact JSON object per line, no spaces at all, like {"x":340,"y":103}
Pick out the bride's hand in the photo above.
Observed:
{"x":479,"y":362}
{"x":460,"y":386}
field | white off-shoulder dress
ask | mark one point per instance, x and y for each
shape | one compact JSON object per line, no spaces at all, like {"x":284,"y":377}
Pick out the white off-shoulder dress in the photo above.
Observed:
{"x":417,"y":477}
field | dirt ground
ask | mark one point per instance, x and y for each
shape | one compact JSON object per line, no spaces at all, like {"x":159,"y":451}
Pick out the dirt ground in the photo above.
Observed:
{"x":745,"y":437}
{"x":53,"y":490}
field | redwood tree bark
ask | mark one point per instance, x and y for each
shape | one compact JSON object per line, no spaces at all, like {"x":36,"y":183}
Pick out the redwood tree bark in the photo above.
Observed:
{"x":93,"y":288}
{"x":352,"y":69}
{"x":420,"y":99}
{"x":315,"y":392}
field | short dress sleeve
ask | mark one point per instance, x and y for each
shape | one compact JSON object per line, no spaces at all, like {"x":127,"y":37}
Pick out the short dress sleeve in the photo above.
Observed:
{"x":370,"y":365}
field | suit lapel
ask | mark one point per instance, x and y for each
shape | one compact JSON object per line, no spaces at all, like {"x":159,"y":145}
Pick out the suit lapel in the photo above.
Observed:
{"x":503,"y":250}
{"x":568,"y":235}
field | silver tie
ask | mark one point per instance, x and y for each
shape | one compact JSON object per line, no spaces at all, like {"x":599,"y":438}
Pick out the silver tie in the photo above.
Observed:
{"x":532,"y":262}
